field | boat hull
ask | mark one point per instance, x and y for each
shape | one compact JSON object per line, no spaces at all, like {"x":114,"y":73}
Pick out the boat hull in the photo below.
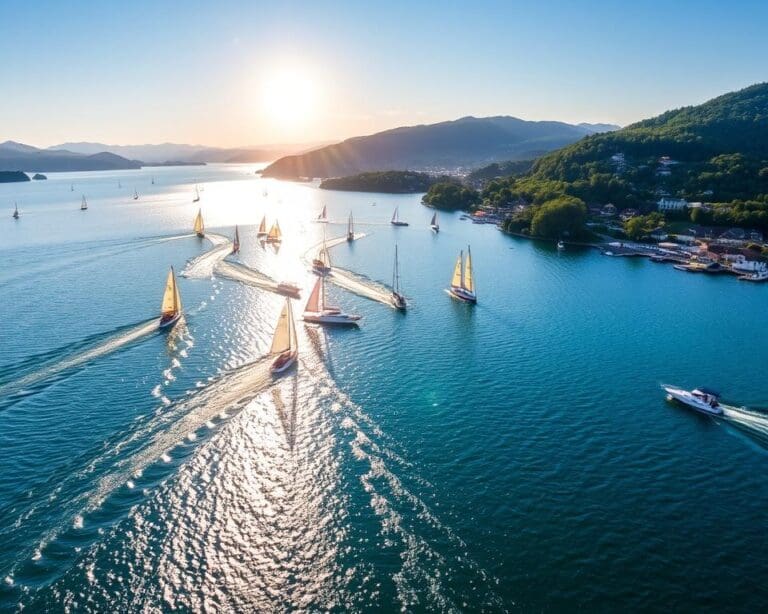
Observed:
{"x":435,"y":229}
{"x":333,"y":319}
{"x":462,"y":295}
{"x":283,"y":362}
{"x":398,"y":301}
{"x":169,"y":322}
{"x":399,"y":223}
{"x":686,"y":398}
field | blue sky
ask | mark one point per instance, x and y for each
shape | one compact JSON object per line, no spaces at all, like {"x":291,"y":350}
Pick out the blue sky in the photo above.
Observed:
{"x":202,"y":72}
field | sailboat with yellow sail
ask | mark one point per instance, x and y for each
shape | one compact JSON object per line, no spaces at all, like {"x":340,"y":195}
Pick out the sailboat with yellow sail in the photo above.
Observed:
{"x":284,"y":344}
{"x":199,"y":225}
{"x":463,"y":281}
{"x":275,"y":235}
{"x":318,"y":312}
{"x":262,"y":232}
{"x":170,"y":309}
{"x":236,"y":241}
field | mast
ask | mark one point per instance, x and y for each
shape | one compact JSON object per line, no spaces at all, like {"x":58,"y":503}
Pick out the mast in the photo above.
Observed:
{"x":469,"y":279}
{"x":461,"y":260}
{"x":396,"y":275}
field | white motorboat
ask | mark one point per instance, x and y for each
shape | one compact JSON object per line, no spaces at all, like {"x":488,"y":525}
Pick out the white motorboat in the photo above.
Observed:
{"x":703,"y":400}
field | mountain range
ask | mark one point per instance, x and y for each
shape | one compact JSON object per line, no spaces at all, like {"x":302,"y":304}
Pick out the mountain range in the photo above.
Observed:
{"x":465,"y":142}
{"x":19,"y":157}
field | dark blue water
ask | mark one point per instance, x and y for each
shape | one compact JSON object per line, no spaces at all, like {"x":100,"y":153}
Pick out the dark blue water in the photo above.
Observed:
{"x":515,"y":455}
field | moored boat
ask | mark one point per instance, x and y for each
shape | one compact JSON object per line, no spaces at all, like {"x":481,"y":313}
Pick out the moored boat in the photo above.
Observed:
{"x":396,"y":221}
{"x":285,"y":346}
{"x":756,"y":276}
{"x":398,"y":298}
{"x":703,"y":400}
{"x":463,"y":281}
{"x":434,"y":225}
{"x":318,"y":312}
{"x":199,"y":224}
{"x":170,"y":308}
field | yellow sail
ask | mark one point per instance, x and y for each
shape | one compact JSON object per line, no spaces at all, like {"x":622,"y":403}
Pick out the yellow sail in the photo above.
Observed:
{"x":263,"y":226}
{"x":285,"y":332}
{"x":456,"y":281}
{"x":274,"y":232}
{"x":199,"y":226}
{"x":171,"y":304}
{"x":469,"y":280}
{"x":313,"y":304}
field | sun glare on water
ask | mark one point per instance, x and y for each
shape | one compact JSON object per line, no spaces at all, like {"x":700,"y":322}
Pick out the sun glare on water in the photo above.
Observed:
{"x":289,"y":96}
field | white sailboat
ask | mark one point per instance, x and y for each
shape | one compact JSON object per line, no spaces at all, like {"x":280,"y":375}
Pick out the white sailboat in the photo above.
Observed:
{"x":199,"y":224}
{"x":323,"y":217}
{"x":236,"y":241}
{"x":284,"y":344}
{"x":153,"y":180}
{"x":318,"y":312}
{"x":395,"y":221}
{"x":170,"y":308}
{"x":197,"y":195}
{"x":350,"y":228}
{"x":434,"y":225}
{"x":398,"y":299}
{"x":262,"y":227}
{"x":71,"y":187}
{"x":135,"y":194}
{"x":119,"y":185}
{"x":15,"y":211}
{"x":275,"y":235}
{"x":463,"y":281}
{"x":83,"y":204}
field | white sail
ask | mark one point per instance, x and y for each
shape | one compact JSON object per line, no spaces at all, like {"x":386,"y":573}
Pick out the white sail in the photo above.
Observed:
{"x":350,"y":226}
{"x":394,"y":215}
{"x":84,"y":203}
{"x":323,"y":214}
{"x":434,"y":219}
{"x":469,"y":280}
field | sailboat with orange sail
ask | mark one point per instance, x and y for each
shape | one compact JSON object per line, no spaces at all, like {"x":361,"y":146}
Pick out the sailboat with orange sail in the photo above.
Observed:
{"x":318,"y":312}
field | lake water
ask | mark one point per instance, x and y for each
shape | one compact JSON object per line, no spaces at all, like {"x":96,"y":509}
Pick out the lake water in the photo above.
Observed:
{"x":514,"y":455}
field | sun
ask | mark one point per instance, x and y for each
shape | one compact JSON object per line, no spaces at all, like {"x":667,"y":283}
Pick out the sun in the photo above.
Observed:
{"x":289,"y":96}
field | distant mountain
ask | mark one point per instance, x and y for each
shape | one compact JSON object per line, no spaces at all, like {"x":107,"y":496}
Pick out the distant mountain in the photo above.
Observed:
{"x":17,"y":156}
{"x":468,"y":141}
{"x":164,"y":152}
{"x":597,"y":128}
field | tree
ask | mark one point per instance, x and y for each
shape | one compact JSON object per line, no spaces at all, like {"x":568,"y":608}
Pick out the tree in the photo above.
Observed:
{"x":559,"y":217}
{"x":451,"y":196}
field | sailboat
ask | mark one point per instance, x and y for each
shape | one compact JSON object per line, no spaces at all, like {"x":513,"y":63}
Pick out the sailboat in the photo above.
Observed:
{"x":398,"y":300}
{"x":433,"y":224}
{"x":119,"y":185}
{"x":135,"y":194}
{"x":318,"y":312}
{"x":83,"y":204}
{"x":350,"y":228}
{"x":170,"y":309}
{"x":236,"y":242}
{"x":284,"y":344}
{"x":323,"y":217}
{"x":262,"y":227}
{"x":463,"y":282}
{"x":199,"y":225}
{"x":15,"y":211}
{"x":274,"y":235}
{"x":153,"y":180}
{"x":71,"y":187}
{"x":322,"y":264}
{"x":395,"y":221}
{"x":197,"y":195}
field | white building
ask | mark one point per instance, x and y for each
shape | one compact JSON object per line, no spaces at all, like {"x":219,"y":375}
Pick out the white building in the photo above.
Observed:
{"x":672,"y":204}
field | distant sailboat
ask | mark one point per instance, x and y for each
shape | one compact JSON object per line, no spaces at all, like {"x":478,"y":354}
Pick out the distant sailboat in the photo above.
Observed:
{"x":395,"y":221}
{"x":322,"y":264}
{"x":170,"y":309}
{"x":398,"y":300}
{"x":153,"y":180}
{"x":318,"y":312}
{"x":135,"y":194}
{"x":463,"y":281}
{"x":15,"y":211}
{"x":199,"y":225}
{"x":197,"y":195}
{"x":262,"y":227}
{"x":71,"y":187}
{"x":274,"y":235}
{"x":236,"y":242}
{"x":434,"y":224}
{"x":284,"y":344}
{"x":323,"y":217}
{"x":350,"y":228}
{"x":119,"y":185}
{"x":83,"y":204}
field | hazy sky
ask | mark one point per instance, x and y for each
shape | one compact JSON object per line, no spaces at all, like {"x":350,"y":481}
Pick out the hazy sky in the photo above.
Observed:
{"x":238,"y":73}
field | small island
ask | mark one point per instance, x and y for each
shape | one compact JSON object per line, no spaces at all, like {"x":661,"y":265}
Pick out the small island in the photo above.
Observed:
{"x":39,"y":177}
{"x":13,"y":176}
{"x":387,"y":182}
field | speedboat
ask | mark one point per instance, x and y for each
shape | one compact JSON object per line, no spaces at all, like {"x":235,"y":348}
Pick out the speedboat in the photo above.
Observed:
{"x":703,"y":400}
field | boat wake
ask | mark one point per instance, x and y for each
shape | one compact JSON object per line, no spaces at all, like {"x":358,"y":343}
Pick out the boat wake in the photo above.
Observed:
{"x":203,"y":265}
{"x":99,"y":346}
{"x":239,"y":272}
{"x":752,"y":422}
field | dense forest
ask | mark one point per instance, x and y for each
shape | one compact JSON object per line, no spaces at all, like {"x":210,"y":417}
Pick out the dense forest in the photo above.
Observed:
{"x":391,"y":182}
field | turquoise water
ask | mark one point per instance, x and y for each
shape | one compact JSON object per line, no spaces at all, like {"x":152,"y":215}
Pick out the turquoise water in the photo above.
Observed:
{"x":515,"y":455}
